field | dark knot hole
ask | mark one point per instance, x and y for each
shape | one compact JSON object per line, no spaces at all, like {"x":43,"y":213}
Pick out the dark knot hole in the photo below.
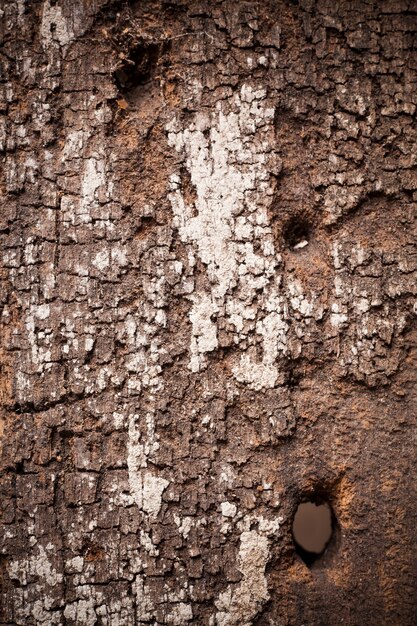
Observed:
{"x":297,"y":233}
{"x":312,"y":529}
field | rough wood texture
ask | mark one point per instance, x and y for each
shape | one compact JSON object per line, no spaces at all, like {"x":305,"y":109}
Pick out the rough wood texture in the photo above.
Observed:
{"x":208,"y":310}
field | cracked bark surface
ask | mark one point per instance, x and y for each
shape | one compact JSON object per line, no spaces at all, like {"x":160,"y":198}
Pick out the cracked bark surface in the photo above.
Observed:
{"x":208,"y":299}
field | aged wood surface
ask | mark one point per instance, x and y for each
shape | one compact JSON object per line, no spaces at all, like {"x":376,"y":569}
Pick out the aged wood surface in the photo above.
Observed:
{"x":208,"y":237}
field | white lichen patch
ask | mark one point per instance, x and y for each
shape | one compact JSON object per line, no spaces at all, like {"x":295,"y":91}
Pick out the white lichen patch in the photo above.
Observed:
{"x":152,"y":490}
{"x":226,"y":155}
{"x":54,"y":26}
{"x":145,"y":606}
{"x":228,"y":509}
{"x":145,"y":487}
{"x":240,"y":604}
{"x":93,"y":178}
{"x":184,"y":524}
{"x":38,"y":565}
{"x":84,"y":611}
{"x":180,"y":614}
{"x":101,"y":260}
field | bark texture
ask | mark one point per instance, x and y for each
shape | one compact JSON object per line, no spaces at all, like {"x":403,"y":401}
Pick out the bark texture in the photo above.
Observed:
{"x":208,"y":311}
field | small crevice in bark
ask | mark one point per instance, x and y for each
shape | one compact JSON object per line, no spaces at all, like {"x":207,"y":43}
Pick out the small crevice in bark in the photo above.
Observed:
{"x":297,"y":233}
{"x":138,"y":67}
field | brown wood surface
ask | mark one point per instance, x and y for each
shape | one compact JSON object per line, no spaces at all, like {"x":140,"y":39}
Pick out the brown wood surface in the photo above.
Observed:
{"x":208,"y":248}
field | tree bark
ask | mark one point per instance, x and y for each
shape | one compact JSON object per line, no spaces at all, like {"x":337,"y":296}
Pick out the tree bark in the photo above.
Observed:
{"x":208,"y":311}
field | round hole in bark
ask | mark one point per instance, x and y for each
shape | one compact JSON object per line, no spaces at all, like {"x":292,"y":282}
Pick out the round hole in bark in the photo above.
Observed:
{"x":312,"y":530}
{"x":297,"y":233}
